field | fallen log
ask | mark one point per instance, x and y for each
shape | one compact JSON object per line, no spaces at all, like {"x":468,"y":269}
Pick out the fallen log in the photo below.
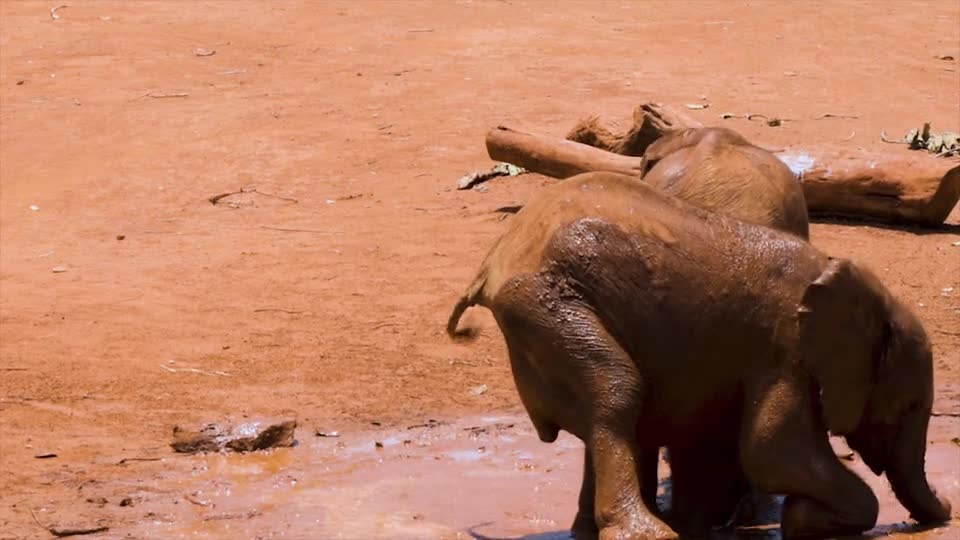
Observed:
{"x":650,"y":122}
{"x":904,"y":187}
{"x":552,"y":156}
{"x":899,"y":188}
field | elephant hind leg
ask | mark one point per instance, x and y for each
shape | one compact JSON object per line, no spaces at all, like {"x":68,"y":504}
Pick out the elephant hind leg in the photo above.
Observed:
{"x":570,"y":371}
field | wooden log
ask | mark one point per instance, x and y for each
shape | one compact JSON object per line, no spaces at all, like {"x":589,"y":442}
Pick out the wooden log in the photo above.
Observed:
{"x":553,"y":156}
{"x":650,"y":122}
{"x":905,"y":187}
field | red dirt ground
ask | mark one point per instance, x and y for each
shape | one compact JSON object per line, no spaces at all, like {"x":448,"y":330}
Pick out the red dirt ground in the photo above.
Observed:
{"x":366,"y":114}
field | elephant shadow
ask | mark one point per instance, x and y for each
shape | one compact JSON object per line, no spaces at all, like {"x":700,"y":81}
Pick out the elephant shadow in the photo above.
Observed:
{"x":919,"y":230}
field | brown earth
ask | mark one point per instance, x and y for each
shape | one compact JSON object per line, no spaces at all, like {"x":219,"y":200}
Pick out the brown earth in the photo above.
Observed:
{"x":332,"y":308}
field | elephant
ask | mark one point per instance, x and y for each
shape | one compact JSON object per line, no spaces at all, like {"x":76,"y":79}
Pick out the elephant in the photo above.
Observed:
{"x":634,"y":320}
{"x":717,"y":169}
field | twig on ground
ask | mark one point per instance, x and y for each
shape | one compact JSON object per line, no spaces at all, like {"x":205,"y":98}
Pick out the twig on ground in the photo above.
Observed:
{"x":129,"y":459}
{"x":290,"y":311}
{"x":53,"y":12}
{"x":61,"y":533}
{"x":885,"y":138}
{"x":419,"y":30}
{"x":851,"y":136}
{"x":245,"y":515}
{"x":198,"y":502}
{"x":195,"y":370}
{"x":832,"y":115}
{"x":285,"y":229}
{"x":216,"y":198}
{"x":172,"y":95}
{"x":947,"y":414}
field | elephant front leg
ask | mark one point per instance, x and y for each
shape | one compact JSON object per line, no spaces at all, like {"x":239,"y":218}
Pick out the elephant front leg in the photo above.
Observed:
{"x":706,"y":485}
{"x":785,"y":449}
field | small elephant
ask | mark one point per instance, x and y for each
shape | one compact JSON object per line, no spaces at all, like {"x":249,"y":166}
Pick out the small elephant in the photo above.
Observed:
{"x":634,"y":320}
{"x":719,"y":170}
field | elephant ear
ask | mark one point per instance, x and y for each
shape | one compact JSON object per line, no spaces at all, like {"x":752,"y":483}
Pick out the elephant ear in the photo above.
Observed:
{"x":844,"y":333}
{"x":666,"y":145}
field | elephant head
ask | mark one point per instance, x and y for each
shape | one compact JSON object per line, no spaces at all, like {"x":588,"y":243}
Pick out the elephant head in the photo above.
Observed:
{"x":872,"y":360}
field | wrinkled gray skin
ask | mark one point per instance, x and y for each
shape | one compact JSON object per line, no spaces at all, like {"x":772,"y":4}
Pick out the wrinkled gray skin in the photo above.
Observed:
{"x":635,"y":321}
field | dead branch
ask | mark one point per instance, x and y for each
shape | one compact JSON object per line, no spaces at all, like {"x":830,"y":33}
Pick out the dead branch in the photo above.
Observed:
{"x":68,"y":531}
{"x":216,"y":198}
{"x":129,"y":459}
{"x":650,"y":122}
{"x":553,"y":156}
{"x":284,"y":229}
{"x":161,"y":96}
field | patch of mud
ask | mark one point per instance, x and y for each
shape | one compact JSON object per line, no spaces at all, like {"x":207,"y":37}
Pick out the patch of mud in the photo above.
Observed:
{"x":487,"y":477}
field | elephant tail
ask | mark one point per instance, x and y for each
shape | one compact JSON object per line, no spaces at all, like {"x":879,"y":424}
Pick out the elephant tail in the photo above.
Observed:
{"x":472,"y":297}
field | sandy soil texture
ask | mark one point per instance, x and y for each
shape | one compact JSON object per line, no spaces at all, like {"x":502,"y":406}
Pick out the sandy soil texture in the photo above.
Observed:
{"x":129,"y":303}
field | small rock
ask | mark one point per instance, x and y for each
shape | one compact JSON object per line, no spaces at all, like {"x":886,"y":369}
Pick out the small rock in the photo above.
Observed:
{"x":34,"y":207}
{"x":45,"y":456}
{"x":121,"y":236}
{"x":59,"y":269}
{"x":320,"y":433}
{"x":99,"y":501}
{"x":479,"y":390}
{"x":126,"y":501}
{"x":378,"y":445}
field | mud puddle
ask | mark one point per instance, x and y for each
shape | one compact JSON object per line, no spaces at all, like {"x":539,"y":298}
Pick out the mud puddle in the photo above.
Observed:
{"x":485,"y":477}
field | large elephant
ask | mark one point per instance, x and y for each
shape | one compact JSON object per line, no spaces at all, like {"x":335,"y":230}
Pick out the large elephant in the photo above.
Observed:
{"x":717,"y":169}
{"x":634,"y":320}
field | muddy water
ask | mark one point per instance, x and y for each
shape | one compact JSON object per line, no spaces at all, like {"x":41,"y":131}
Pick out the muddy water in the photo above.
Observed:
{"x":485,"y":477}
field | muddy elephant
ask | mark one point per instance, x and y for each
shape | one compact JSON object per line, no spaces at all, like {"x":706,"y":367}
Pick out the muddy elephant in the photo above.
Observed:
{"x":635,"y":321}
{"x":717,"y":169}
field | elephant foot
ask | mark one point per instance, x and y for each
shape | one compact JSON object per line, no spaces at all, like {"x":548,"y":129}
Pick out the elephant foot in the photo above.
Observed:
{"x":584,"y":527}
{"x":804,"y":518}
{"x":755,"y":509}
{"x":639,"y":529}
